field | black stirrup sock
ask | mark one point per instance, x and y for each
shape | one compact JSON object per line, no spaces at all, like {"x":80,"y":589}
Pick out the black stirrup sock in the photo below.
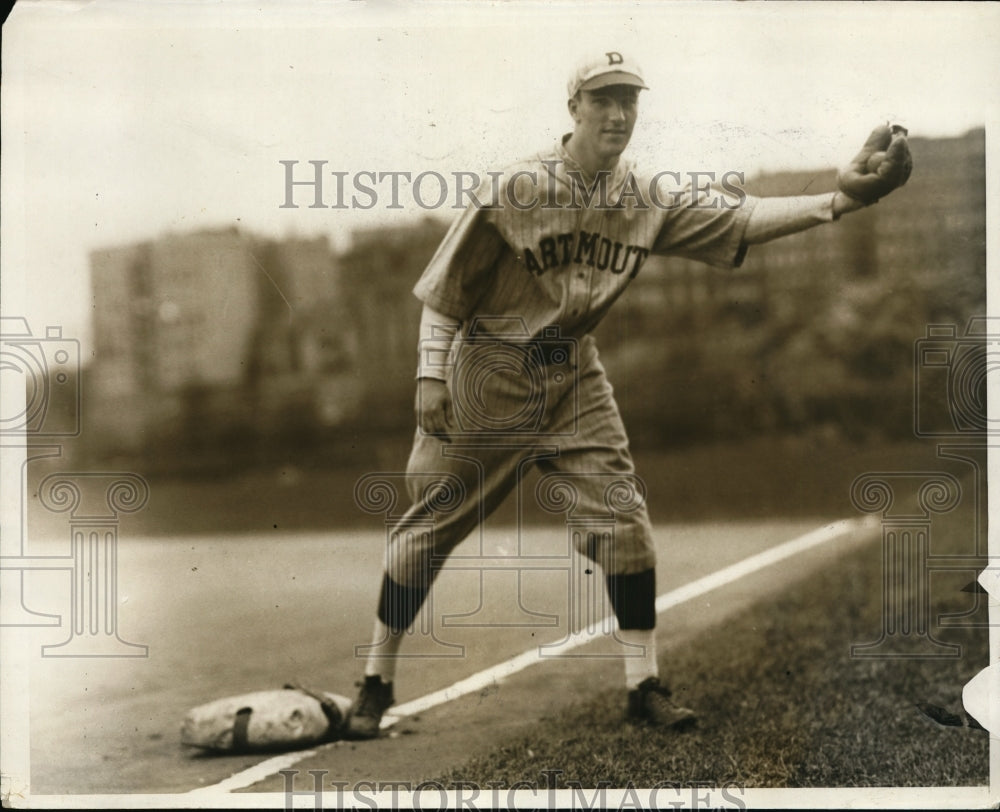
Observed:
{"x":398,"y":605}
{"x":633,"y":597}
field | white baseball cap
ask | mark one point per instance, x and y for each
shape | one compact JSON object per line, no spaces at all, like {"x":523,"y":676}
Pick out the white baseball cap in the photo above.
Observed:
{"x":601,"y":70}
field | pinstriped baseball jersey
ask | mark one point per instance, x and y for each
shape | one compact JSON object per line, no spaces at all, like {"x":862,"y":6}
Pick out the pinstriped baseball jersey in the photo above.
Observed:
{"x":540,"y":250}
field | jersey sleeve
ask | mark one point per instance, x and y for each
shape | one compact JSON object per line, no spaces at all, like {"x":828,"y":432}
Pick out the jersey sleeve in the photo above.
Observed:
{"x":705,"y":225}
{"x":461,"y":270}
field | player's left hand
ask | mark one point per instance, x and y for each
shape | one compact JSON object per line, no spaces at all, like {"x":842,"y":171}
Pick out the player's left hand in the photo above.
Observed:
{"x":883,"y":164}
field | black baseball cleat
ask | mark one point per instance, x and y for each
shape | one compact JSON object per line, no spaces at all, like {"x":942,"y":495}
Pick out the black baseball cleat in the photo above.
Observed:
{"x":366,"y":714}
{"x":651,"y":703}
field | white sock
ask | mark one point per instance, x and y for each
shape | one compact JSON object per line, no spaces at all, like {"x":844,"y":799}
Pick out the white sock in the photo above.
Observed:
{"x":639,"y":666}
{"x":382,"y":654}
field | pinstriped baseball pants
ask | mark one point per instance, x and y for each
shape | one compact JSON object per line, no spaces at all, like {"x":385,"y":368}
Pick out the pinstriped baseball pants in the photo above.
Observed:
{"x":563,"y":419}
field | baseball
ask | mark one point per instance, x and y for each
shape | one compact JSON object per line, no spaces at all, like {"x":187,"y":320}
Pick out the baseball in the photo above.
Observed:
{"x":874,"y":161}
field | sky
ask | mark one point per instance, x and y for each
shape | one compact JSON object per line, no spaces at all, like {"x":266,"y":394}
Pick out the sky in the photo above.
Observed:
{"x":126,"y":120}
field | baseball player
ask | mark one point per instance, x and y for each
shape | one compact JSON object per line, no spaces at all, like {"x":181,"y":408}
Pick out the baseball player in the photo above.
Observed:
{"x":526,"y":272}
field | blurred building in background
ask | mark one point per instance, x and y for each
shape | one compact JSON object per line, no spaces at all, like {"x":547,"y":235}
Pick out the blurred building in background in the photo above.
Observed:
{"x":221,"y":345}
{"x":379,"y":272}
{"x":207,"y":343}
{"x":815,"y":329}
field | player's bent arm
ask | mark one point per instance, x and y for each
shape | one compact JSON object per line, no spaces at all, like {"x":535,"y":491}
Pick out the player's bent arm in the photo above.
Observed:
{"x":437,"y":332}
{"x":433,"y":403}
{"x":433,"y":408}
{"x":775,"y":217}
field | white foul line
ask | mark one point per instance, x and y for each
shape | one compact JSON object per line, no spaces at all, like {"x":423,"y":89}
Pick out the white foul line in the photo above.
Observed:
{"x":258,"y":772}
{"x":487,"y":677}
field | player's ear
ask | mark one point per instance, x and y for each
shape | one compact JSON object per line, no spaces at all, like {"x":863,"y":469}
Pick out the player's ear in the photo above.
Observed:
{"x":573,"y":105}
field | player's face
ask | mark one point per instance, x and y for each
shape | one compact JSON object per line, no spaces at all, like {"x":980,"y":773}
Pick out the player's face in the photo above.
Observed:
{"x":605,"y":118}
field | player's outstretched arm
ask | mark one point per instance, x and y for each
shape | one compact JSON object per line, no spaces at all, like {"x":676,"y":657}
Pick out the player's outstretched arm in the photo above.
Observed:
{"x":883,"y":165}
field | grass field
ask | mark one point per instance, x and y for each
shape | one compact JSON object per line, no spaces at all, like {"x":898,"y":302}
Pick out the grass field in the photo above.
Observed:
{"x":783,"y":703}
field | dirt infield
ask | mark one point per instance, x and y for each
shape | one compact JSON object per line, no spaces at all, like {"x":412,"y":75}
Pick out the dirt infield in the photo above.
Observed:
{"x":230,"y":612}
{"x":227,"y":615}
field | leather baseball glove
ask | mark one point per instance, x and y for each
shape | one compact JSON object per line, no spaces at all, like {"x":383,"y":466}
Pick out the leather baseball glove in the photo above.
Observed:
{"x":883,"y":164}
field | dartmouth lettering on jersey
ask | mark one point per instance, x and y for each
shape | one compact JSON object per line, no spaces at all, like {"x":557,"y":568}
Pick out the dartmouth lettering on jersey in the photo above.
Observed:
{"x":588,"y":248}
